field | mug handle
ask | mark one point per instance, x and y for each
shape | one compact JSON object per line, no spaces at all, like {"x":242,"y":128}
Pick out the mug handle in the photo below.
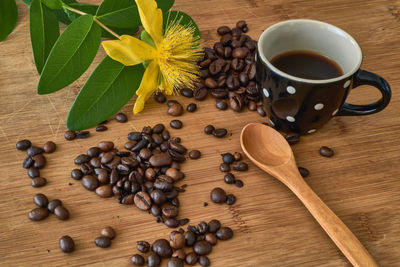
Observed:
{"x":363,"y":77}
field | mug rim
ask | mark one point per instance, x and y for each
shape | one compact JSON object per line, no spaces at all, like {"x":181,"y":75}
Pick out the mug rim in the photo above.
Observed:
{"x":298,"y":79}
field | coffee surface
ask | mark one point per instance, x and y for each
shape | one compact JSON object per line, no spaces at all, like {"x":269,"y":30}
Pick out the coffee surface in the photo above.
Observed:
{"x":307,"y":65}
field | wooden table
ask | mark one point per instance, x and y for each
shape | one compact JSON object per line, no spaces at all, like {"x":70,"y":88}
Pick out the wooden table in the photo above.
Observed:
{"x":361,"y":183}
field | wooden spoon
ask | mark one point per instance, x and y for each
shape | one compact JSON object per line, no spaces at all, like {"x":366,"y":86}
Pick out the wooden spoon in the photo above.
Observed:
{"x":269,"y":151}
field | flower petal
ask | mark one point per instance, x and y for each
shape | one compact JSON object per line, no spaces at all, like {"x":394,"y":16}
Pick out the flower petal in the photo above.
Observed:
{"x":147,"y":87}
{"x":151,"y":18}
{"x":166,"y":87}
{"x":129,"y":50}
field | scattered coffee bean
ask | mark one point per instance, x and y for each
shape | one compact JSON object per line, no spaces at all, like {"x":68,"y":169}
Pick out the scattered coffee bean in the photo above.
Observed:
{"x":90,"y":182}
{"x":186,"y":92}
{"x":211,"y":238}
{"x":137,"y":260}
{"x":174,"y":262}
{"x":102,"y":241}
{"x":61,"y":212}
{"x":82,"y":158}
{"x":229,"y":178}
{"x":304,"y":172}
{"x":76,"y":174}
{"x":202,"y":247}
{"x":191,"y":258}
{"x":108,"y":232}
{"x":228,"y":158}
{"x":218,"y":195}
{"x":143,"y":246}
{"x":82,"y":134}
{"x":170,"y":211}
{"x":224,"y":167}
{"x":239,"y":183}
{"x":209,"y":129}
{"x":23,"y":144}
{"x":219,"y":132}
{"x":194,"y":154}
{"x":153,"y":260}
{"x":40,"y":200}
{"x":162,"y":248}
{"x":175,"y":110}
{"x":204,"y":261}
{"x":33,"y":172}
{"x":192,"y":107}
{"x":230,"y":199}
{"x":28,"y":162}
{"x":38,"y":214}
{"x":240,"y":166}
{"x":223,"y":30}
{"x":34,"y":150}
{"x":53,"y":204}
{"x":176,"y":124}
{"x":177,"y":240}
{"x":49,"y":147}
{"x":101,"y":128}
{"x":67,"y":244}
{"x":69,"y":135}
{"x":221,"y":105}
{"x":326,"y":151}
{"x":190,"y":238}
{"x":39,"y":182}
{"x":121,"y":117}
{"x":39,"y":161}
{"x":224,"y":233}
{"x":171,"y":223}
{"x":214,"y":226}
{"x":160,"y":98}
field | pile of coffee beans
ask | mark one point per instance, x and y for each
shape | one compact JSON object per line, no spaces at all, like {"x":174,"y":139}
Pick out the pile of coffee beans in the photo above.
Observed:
{"x":106,"y":235}
{"x":201,"y":239}
{"x":219,"y":132}
{"x":45,"y":208}
{"x":228,"y":71}
{"x":71,"y":135}
{"x":229,"y":159}
{"x":143,"y":175}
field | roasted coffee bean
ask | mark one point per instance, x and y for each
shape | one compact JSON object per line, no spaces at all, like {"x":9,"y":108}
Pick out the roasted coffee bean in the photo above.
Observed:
{"x":237,"y":156}
{"x":177,"y":240}
{"x":33,"y":172}
{"x":102,"y":242}
{"x":93,"y":152}
{"x":205,"y":63}
{"x":83,"y":158}
{"x":145,"y":154}
{"x":175,"y":110}
{"x":232,"y":82}
{"x":23,"y":144}
{"x":62,"y":213}
{"x":194,"y":154}
{"x":67,"y":244}
{"x":221,"y":105}
{"x":304,"y":172}
{"x":82,"y":134}
{"x":226,"y":39}
{"x":171,"y":102}
{"x":137,"y":260}
{"x":121,"y":117}
{"x":204,"y":72}
{"x":95,"y":162}
{"x":142,"y":200}
{"x":139,"y":145}
{"x":215,"y":68}
{"x":191,"y":258}
{"x":230,"y":199}
{"x":224,"y":233}
{"x":170,"y":211}
{"x":160,"y":98}
{"x":211,"y":238}
{"x":243,"y":78}
{"x":326,"y":151}
{"x":219,"y":48}
{"x":39,"y":161}
{"x":213,"y":226}
{"x":202,"y":227}
{"x":179,"y":253}
{"x":162,"y":248}
{"x":153,"y":260}
{"x":155,"y":210}
{"x":183,"y":221}
{"x":227,"y":52}
{"x":142,"y":246}
{"x":209,"y":53}
{"x":292,"y":138}
{"x":101,"y":128}
{"x":176,"y":124}
{"x":106,"y":146}
{"x":202,"y":247}
{"x":174,"y":262}
{"x":219,"y":132}
{"x":38,"y":214}
{"x":218,"y":195}
{"x":157,"y":129}
{"x":108,"y":232}
{"x":158,"y":197}
{"x":219,"y":93}
{"x":236,"y":102}
{"x":204,"y":261}
{"x":224,"y":167}
{"x":223,"y":30}
{"x":147,"y":130}
{"x":164,"y":147}
{"x":252,"y":106}
{"x":239,"y":183}
{"x":200,"y":93}
{"x":229,"y":178}
{"x":40,"y":200}
{"x":187,"y":92}
{"x":49,"y":147}
{"x":174,"y":145}
{"x":28,"y":162}
{"x":160,"y":160}
{"x":190,"y":238}
{"x":86,"y":168}
{"x":241,"y":24}
{"x":69,"y":135}
{"x":175,"y":174}
{"x":128,"y":199}
{"x":261,"y":111}
{"x":165,"y":135}
{"x":192,"y":107}
{"x":104,"y":191}
{"x":239,"y":52}
{"x":252,"y":71}
{"x":134,"y":136}
{"x":176,"y":156}
{"x":53,"y":204}
{"x":90,"y":182}
{"x":240,"y":166}
{"x":236,"y":32}
{"x":251,"y":44}
{"x":39,"y":182}
{"x":210,"y":83}
{"x":227,"y":66}
{"x":209,"y":129}
{"x":34,"y":150}
{"x":157,"y":138}
{"x":227,"y":158}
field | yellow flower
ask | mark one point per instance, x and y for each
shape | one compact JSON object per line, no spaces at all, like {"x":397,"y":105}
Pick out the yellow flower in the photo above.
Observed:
{"x":172,"y":58}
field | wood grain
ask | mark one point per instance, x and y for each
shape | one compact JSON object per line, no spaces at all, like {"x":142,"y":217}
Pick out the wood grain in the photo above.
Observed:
{"x":361,"y":183}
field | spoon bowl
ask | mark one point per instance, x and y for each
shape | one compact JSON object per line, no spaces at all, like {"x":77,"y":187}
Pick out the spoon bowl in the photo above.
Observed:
{"x":267,"y":148}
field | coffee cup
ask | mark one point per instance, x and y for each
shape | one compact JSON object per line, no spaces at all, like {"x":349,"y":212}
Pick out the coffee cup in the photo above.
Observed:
{"x":302,"y":104}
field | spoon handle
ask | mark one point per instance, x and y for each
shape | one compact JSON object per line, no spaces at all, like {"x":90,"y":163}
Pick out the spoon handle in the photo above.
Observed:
{"x":344,"y":239}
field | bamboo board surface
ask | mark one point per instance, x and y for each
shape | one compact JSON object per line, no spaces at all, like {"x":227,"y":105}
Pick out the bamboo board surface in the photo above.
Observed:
{"x":361,"y":183}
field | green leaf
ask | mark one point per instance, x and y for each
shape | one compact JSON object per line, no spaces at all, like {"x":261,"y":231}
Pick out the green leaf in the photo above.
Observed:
{"x":53,"y":4}
{"x":184,"y":19}
{"x":124,"y":13}
{"x":71,"y":55}
{"x":107,"y":90}
{"x":44,"y":31}
{"x":87,"y":8}
{"x":8,"y":17}
{"x":27,"y":2}
{"x":62,"y":15}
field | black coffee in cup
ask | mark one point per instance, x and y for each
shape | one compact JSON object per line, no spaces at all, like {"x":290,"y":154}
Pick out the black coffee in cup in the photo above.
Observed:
{"x":307,"y":65}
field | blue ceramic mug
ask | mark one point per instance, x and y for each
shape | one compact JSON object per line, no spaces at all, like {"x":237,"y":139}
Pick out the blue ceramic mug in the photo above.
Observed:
{"x":303,"y":105}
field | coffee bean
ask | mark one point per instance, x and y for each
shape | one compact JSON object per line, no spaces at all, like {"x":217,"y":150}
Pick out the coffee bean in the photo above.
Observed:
{"x":158,"y":197}
{"x":177,"y":240}
{"x":190,"y":238}
{"x":90,"y":182}
{"x":174,"y":145}
{"x":236,"y":102}
{"x":34,"y":150}
{"x":237,"y":156}
{"x":165,"y":135}
{"x":192,"y":107}
{"x":224,"y":167}
{"x":62,"y":213}
{"x":304,"y":172}
{"x":142,"y":200}
{"x":252,"y":106}
{"x":223,"y":30}
{"x":214,"y":226}
{"x":160,"y":98}
{"x":82,"y":158}
{"x":153,"y":260}
{"x":121,"y":117}
{"x":227,"y":52}
{"x":215,"y":68}
{"x":176,"y":124}
{"x":175,"y":110}
{"x":28,"y":162}
{"x":236,"y":32}
{"x":218,"y":195}
{"x":205,"y":63}
{"x":243,"y":78}
{"x":170,"y":211}
{"x":226,"y":39}
{"x":224,"y":233}
{"x":108,"y":232}
{"x":219,"y":132}
{"x":145,"y":154}
{"x":82,"y":134}
{"x":174,"y":262}
{"x":101,"y":128}
{"x":137,"y":260}
{"x":204,"y":261}
{"x":194,"y":154}
{"x":139,"y":145}
{"x":104,"y":191}
{"x":147,"y":130}
{"x":171,"y":102}
{"x":239,"y":52}
{"x":102,"y":241}
{"x":39,"y":161}
{"x":69,"y":135}
{"x":202,"y":228}
{"x":106,"y":146}
{"x":23,"y":144}
{"x":142,"y":246}
{"x":241,"y":24}
{"x":191,"y":258}
{"x":67,"y":244}
{"x":219,"y":93}
{"x":261,"y":111}
{"x":221,"y":105}
{"x":49,"y":147}
{"x":240,"y":166}
{"x":175,"y":174}
{"x":210,"y":83}
{"x":202,"y":247}
{"x":211,"y":238}
{"x":229,"y":178}
{"x":239,"y":183}
{"x":326,"y":151}
{"x":186,"y":92}
{"x":38,"y":214}
{"x":179,"y":253}
{"x":209,"y":129}
{"x":33,"y":172}
{"x":76,"y":174}
{"x":232,"y":82}
{"x":40,"y":200}
{"x":200,"y":93}
{"x":162,"y":248}
{"x":252,"y":71}
{"x":39,"y":182}
{"x":160,"y":160}
{"x":53,"y":204}
{"x":227,"y":158}
{"x":230,"y":199}
{"x":183,"y":221}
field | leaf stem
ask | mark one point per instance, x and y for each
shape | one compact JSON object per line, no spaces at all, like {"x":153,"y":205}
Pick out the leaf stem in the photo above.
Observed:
{"x":95,"y":19}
